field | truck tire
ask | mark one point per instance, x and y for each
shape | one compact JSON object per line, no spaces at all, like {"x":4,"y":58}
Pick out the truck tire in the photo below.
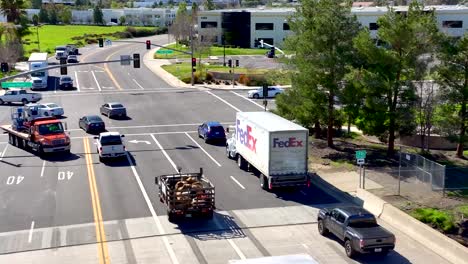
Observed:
{"x":256,"y":96}
{"x":171,"y":217}
{"x":24,"y":101}
{"x":228,"y":153}
{"x":20,"y":143}
{"x":14,"y":139}
{"x":350,"y":252}
{"x":321,"y":228}
{"x":263,"y":182}
{"x":241,"y":162}
{"x":1,"y":102}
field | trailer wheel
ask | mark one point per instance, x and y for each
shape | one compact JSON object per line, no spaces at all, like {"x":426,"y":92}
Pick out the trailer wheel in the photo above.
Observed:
{"x":263,"y":182}
{"x":24,"y":101}
{"x":14,"y":140}
{"x":20,"y":143}
{"x":241,"y":162}
{"x":171,"y":217}
{"x":1,"y":102}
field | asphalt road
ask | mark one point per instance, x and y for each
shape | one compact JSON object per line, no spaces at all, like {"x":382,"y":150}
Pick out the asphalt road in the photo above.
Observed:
{"x":77,"y":200}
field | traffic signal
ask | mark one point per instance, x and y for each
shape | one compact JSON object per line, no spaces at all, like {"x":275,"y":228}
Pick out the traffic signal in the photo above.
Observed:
{"x":101,"y":42}
{"x":148,"y":44}
{"x":237,"y":63}
{"x":4,"y":67}
{"x":230,"y":63}
{"x":272,"y":51}
{"x":136,"y":60}
{"x":265,"y":90}
{"x":63,"y":70}
{"x":256,"y":43}
{"x":194,"y":62}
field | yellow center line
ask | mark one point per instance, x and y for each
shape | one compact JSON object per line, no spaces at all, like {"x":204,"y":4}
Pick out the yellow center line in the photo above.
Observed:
{"x":103,"y":251}
{"x":106,"y":68}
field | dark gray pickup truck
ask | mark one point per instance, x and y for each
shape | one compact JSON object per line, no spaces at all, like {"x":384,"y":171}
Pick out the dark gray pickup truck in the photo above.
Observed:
{"x":357,"y":228}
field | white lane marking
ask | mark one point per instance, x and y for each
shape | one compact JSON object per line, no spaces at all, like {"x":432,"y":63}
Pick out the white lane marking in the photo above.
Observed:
{"x":236,"y":248}
{"x":108,"y":88}
{"x":4,"y":151}
{"x":305,"y":246}
{"x":141,"y":87}
{"x":238,"y":183}
{"x":31,"y":232}
{"x":43,"y":168}
{"x":209,"y":156}
{"x":144,"y":134}
{"x":165,"y":153}
{"x":94,"y":75}
{"x":126,"y":91}
{"x":224,"y":101}
{"x":250,"y":100}
{"x":77,"y":82}
{"x":153,"y":212}
{"x":154,"y":126}
{"x":98,"y":71}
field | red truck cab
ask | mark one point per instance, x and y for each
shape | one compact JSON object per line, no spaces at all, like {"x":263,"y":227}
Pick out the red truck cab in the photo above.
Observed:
{"x":49,"y":133}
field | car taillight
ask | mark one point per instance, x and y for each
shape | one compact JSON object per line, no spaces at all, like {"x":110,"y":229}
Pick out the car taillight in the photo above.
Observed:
{"x":308,"y":183}
{"x":361,"y":243}
{"x":270,"y":186}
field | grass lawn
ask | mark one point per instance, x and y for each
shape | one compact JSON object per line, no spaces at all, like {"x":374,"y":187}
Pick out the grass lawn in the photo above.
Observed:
{"x":51,"y":36}
{"x":214,"y":51}
{"x":182,"y":70}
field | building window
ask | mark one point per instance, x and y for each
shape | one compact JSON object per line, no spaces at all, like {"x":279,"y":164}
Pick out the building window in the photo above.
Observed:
{"x":286,"y":26}
{"x":264,"y":26}
{"x":452,"y":24}
{"x":209,"y":24}
{"x":373,"y":26}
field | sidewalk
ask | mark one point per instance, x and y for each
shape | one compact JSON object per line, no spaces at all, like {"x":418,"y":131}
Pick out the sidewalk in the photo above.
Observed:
{"x":155,"y":65}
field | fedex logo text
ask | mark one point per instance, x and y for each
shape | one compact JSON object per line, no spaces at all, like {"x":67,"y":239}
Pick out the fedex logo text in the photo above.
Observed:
{"x":245,"y":137}
{"x":292,"y":142}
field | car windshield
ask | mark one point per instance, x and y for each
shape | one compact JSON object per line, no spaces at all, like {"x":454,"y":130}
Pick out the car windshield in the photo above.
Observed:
{"x":38,"y":74}
{"x":47,"y":129}
{"x":111,"y":140}
{"x":94,"y":119}
{"x":66,"y":79}
{"x":217,"y":129}
{"x":117,"y":106}
{"x":52,"y":105}
{"x":60,"y":48}
{"x":362,"y":223}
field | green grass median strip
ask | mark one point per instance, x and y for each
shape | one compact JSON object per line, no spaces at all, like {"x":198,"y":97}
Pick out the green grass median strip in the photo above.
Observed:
{"x":182,"y":70}
{"x":212,"y":51}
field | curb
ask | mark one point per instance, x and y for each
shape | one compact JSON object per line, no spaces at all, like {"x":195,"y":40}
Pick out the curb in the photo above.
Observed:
{"x":333,"y":191}
{"x":431,"y":238}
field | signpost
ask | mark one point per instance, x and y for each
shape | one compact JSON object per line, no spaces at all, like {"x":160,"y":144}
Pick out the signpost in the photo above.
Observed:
{"x":361,"y":161}
{"x":6,"y":85}
{"x":125,"y":59}
{"x":163,"y":51}
{"x":108,"y":42}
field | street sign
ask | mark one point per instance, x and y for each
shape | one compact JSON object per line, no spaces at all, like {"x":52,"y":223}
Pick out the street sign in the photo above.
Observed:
{"x":125,"y":59}
{"x":6,"y":85}
{"x":360,"y":154}
{"x":108,"y":42}
{"x":164,"y":51}
{"x":361,"y":161}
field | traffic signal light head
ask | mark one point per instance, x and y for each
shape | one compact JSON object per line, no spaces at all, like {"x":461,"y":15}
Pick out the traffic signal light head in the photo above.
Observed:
{"x":237,"y":63}
{"x":148,"y":44}
{"x":4,"y":67}
{"x":194,"y":62}
{"x":136,"y":60}
{"x":230,"y":63}
{"x":265,"y":91}
{"x":63,"y":70}
{"x":256,"y":43}
{"x":101,"y":42}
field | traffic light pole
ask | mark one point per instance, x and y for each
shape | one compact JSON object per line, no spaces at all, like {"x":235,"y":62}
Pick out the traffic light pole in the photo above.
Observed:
{"x":191,"y":49}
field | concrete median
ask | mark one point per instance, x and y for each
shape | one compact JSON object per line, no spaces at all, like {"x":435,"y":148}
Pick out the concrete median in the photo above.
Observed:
{"x":433,"y":239}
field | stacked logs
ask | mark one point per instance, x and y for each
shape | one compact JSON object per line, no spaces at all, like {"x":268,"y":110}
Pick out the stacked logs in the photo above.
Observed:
{"x":188,"y":191}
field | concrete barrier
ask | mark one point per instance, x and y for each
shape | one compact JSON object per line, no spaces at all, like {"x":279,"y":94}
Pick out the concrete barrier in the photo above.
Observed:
{"x":431,"y":238}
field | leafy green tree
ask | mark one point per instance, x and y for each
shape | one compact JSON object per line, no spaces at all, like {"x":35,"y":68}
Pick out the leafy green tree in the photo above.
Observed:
{"x":53,"y":16}
{"x":35,"y":19}
{"x":43,"y":15}
{"x":453,"y":78}
{"x":36,"y":4}
{"x":161,"y":3}
{"x":98,"y":17}
{"x":182,"y":10}
{"x":389,"y":71}
{"x":66,"y":15}
{"x":13,"y":10}
{"x":209,"y":5}
{"x":170,"y":3}
{"x":122,"y":20}
{"x":324,"y":31}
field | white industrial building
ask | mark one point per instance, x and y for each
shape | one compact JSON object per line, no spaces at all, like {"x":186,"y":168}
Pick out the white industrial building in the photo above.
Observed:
{"x":243,"y":26}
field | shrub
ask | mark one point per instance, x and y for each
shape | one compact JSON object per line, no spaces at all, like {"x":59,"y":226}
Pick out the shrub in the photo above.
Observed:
{"x":35,"y":50}
{"x":436,"y":218}
{"x":209,"y":76}
{"x":141,"y":32}
{"x":244,"y":79}
{"x":186,"y":79}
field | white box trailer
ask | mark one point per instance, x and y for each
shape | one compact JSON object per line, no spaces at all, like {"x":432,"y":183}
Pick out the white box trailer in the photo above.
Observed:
{"x":37,"y":61}
{"x":274,"y":146}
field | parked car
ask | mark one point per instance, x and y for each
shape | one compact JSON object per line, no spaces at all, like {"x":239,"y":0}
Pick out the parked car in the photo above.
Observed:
{"x":66,"y":82}
{"x":211,"y":131}
{"x":109,"y":145}
{"x":50,"y":109}
{"x":72,"y":59}
{"x":357,"y":228}
{"x":92,"y":124}
{"x":272,"y":92}
{"x":113,"y":109}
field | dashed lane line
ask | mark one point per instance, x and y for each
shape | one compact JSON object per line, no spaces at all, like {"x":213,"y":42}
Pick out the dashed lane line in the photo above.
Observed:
{"x":209,"y":156}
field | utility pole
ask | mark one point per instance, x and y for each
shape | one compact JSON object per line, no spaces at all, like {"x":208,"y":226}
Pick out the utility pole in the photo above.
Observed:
{"x":224,"y":50}
{"x":191,"y":49}
{"x":37,"y":34}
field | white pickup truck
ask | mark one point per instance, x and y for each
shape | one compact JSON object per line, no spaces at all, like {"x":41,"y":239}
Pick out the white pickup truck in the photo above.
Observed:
{"x":17,"y":96}
{"x":109,"y":145}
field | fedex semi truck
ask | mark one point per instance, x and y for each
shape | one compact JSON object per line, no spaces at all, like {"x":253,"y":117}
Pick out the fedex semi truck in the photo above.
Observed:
{"x":271,"y":146}
{"x":39,"y":78}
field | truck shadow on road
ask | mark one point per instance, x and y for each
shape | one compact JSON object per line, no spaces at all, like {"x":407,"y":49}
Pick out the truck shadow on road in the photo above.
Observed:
{"x":220,"y":227}
{"x":57,"y":157}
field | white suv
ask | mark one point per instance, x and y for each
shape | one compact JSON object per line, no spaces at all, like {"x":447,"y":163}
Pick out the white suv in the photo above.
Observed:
{"x":109,"y":145}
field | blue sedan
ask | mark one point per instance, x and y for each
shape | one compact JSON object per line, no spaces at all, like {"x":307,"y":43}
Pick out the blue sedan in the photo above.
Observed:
{"x":211,"y":131}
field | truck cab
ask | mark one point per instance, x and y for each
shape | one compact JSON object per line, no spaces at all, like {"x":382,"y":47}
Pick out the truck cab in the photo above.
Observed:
{"x":110,"y":145}
{"x":49,"y":135}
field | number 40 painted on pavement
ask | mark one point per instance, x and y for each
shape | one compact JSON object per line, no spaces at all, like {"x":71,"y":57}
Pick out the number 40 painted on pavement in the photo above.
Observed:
{"x":14,"y":179}
{"x":62,"y":175}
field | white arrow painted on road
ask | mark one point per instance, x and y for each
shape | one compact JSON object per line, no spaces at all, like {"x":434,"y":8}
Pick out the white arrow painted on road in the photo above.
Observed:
{"x":138,"y":141}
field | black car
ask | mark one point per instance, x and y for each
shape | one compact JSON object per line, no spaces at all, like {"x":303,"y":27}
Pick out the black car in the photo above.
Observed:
{"x":113,"y":110}
{"x":92,"y":123}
